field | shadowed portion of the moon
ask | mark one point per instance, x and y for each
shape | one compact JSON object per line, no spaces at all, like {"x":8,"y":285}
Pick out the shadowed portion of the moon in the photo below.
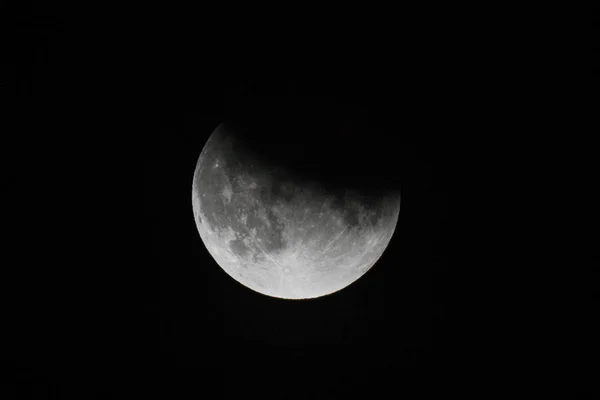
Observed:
{"x":287,"y":226}
{"x":325,"y":151}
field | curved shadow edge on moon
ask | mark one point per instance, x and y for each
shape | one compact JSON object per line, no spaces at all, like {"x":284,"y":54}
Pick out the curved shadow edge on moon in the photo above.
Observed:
{"x":279,"y":238}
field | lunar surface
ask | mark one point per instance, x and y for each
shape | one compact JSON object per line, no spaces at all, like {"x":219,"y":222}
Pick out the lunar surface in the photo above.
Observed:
{"x":281,"y":236}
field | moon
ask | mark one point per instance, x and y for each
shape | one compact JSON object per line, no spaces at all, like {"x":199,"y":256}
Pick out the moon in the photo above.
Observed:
{"x":279,"y":233}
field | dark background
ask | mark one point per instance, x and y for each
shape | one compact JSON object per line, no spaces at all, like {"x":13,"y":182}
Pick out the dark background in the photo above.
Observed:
{"x":109,"y":291}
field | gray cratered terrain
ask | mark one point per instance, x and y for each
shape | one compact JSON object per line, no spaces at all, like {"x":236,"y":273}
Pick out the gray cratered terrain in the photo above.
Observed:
{"x":280,"y":234}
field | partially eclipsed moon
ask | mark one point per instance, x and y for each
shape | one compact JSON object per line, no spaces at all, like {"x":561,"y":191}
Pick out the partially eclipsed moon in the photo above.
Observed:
{"x":279,"y":237}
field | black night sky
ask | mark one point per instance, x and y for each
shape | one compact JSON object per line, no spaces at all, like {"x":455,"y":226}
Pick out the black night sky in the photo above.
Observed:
{"x":121,"y":298}
{"x":111,"y":292}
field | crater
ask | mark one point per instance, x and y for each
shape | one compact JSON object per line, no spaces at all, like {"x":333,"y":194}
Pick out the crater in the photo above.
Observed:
{"x":258,"y":257}
{"x":375,"y":216}
{"x":227,"y":192}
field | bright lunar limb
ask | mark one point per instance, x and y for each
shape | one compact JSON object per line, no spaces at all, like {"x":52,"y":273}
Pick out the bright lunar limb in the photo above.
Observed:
{"x":279,"y":236}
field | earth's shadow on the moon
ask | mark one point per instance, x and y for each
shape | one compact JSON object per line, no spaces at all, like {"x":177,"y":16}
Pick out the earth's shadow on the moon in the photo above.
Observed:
{"x":337,"y":158}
